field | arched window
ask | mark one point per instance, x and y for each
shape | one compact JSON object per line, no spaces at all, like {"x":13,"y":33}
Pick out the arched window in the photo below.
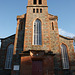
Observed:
{"x":33,"y":10}
{"x":37,"y":39}
{"x":34,"y":1}
{"x":37,"y":10}
{"x":40,"y":10}
{"x":52,"y":26}
{"x":9,"y":56}
{"x":65,"y":60}
{"x":40,"y":1}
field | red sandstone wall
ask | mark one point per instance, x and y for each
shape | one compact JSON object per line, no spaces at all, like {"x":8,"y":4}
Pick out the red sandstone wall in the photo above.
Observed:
{"x":26,"y":65}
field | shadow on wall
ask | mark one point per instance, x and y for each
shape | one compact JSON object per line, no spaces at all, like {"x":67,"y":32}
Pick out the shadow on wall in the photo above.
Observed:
{"x":2,"y":72}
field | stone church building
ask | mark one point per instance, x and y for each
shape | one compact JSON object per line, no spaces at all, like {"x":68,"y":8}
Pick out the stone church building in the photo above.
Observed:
{"x":37,"y":48}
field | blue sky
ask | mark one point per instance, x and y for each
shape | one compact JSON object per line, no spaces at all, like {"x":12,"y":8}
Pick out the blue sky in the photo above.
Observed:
{"x":64,"y":9}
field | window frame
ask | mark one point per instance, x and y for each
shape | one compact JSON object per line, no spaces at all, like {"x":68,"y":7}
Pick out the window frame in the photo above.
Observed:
{"x":37,"y":32}
{"x":9,"y":55}
{"x":52,"y":26}
{"x":33,"y":10}
{"x":40,"y":2}
{"x":65,"y":59}
{"x":34,"y":1}
{"x":37,"y":10}
{"x":40,"y":10}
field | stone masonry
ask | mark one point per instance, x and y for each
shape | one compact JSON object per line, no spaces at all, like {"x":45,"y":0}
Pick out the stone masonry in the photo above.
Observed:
{"x":49,"y":53}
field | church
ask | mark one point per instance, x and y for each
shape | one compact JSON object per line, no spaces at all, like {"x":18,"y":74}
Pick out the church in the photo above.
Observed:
{"x":37,"y":48}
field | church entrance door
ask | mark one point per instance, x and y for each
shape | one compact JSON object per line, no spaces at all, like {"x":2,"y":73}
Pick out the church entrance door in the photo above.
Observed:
{"x":37,"y":68}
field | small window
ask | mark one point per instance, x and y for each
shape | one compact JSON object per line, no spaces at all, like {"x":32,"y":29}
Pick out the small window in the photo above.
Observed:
{"x":34,"y":1}
{"x":37,"y":11}
{"x":40,"y":1}
{"x":52,"y":26}
{"x":33,"y":10}
{"x":40,"y":10}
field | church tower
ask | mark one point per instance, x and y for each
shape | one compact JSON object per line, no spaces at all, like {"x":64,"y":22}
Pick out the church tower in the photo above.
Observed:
{"x":41,"y":28}
{"x":37,"y":27}
{"x":36,"y":30}
{"x":36,"y":39}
